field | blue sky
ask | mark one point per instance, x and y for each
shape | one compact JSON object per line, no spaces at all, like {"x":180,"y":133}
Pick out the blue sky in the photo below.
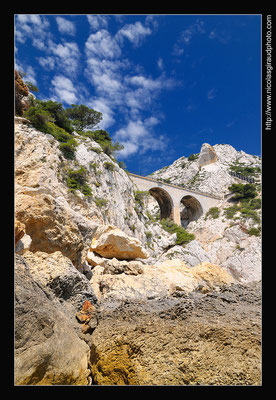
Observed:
{"x":165,"y":84}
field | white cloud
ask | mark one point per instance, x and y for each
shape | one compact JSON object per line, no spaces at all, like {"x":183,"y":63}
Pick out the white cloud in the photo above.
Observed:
{"x":133,"y":32}
{"x":67,"y":56}
{"x":65,"y":26}
{"x":31,"y":26}
{"x":129,"y":149}
{"x":137,"y":137}
{"x":47,"y":62}
{"x":160,"y":63}
{"x":97,"y":21}
{"x":36,"y":28}
{"x":101,"y":105}
{"x":102,"y":45}
{"x":30,"y":75}
{"x":146,"y":83}
{"x":64,"y":89}
{"x":119,"y":89}
{"x":186,"y":36}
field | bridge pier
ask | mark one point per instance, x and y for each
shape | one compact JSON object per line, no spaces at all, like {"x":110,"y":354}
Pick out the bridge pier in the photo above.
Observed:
{"x":176,"y":215}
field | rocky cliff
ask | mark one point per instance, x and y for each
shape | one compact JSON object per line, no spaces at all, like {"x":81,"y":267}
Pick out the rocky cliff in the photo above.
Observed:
{"x":86,"y":240}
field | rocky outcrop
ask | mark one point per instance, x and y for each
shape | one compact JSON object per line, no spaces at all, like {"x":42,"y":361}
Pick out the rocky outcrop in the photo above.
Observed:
{"x":136,"y":282}
{"x":57,"y":273}
{"x":48,"y":351}
{"x":207,"y":155}
{"x":56,"y":219}
{"x":19,"y":231}
{"x":209,"y":170}
{"x":196,"y":339}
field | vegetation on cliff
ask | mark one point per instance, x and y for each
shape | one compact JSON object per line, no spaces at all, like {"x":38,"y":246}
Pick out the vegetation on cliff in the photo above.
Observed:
{"x":51,"y":117}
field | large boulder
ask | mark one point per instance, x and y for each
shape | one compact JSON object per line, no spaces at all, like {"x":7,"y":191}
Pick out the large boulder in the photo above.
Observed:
{"x":53,"y":226}
{"x":57,"y":273}
{"x":48,"y":350}
{"x":110,"y":241}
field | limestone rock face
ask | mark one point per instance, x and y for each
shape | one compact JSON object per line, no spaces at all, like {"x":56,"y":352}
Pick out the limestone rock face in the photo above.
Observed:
{"x":209,"y":172}
{"x":19,"y":231}
{"x":195,"y":339}
{"x":122,"y":283}
{"x":207,"y":155}
{"x":110,"y":241}
{"x":47,"y":349}
{"x":58,"y":220}
{"x":58,"y":274}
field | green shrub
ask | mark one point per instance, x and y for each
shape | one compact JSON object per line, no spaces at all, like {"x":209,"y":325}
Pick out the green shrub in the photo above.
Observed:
{"x":109,"y":166}
{"x":213,"y":212}
{"x":39,"y":118}
{"x":100,"y":202}
{"x":229,"y":212}
{"x":59,"y":134}
{"x":76,"y":180}
{"x":102,"y":137}
{"x":68,"y":149}
{"x":255,"y":204}
{"x":247,"y":212}
{"x":245,"y":171}
{"x":83,"y":117}
{"x":43,"y":111}
{"x":148,"y":235}
{"x":122,"y":165}
{"x":86,"y":190}
{"x":254,"y":231}
{"x":183,"y":237}
{"x":243,"y":191}
{"x":193,"y":157}
{"x":96,"y":149}
{"x":139,"y":196}
{"x":43,"y":121}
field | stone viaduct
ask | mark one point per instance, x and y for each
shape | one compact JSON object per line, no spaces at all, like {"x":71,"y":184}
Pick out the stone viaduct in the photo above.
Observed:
{"x":172,"y":199}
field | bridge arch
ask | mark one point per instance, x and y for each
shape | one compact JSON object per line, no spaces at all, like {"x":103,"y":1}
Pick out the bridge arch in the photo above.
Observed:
{"x":190,"y":209}
{"x":164,"y":200}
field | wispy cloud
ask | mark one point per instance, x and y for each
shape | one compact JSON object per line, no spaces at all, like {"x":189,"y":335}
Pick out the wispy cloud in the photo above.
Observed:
{"x":62,"y":56}
{"x":65,"y":26}
{"x":186,"y":36}
{"x":115,"y":85}
{"x":135,"y":33}
{"x":160,"y":63}
{"x":102,"y":45}
{"x":63,"y":89}
{"x":137,"y":136}
{"x":97,"y":21}
{"x":230,"y":123}
{"x":118,"y":86}
{"x":212,"y":93}
{"x":34,"y":27}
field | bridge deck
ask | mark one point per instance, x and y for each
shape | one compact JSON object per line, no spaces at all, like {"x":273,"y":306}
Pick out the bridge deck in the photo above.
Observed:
{"x":178,"y":187}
